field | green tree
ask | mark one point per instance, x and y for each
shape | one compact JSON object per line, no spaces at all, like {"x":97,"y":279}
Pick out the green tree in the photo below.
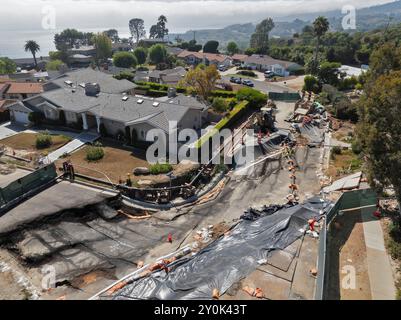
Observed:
{"x":379,"y":131}
{"x":320,"y":27}
{"x":211,"y":47}
{"x":311,"y":83}
{"x":201,"y":80}
{"x":137,"y":29}
{"x":232,"y":48}
{"x":7,"y":66}
{"x":141,"y":54}
{"x":33,"y":48}
{"x":124,"y":59}
{"x":103,"y":47}
{"x":162,"y":31}
{"x":328,"y":73}
{"x":385,"y":58}
{"x":54,"y":65}
{"x":157,"y":54}
{"x":219,"y":105}
{"x":255,"y":98}
{"x":260,"y":39}
{"x":112,"y":34}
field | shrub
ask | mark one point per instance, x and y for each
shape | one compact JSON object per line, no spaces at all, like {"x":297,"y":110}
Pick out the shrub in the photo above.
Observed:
{"x":255,"y":98}
{"x":125,"y":75}
{"x":311,"y":84}
{"x":124,"y":59}
{"x":156,"y":93}
{"x":223,"y":94}
{"x":247,"y":73}
{"x":43,"y":140}
{"x":336,"y":150}
{"x":356,"y":147}
{"x":219,"y":105}
{"x":94,"y":152}
{"x":159,"y":168}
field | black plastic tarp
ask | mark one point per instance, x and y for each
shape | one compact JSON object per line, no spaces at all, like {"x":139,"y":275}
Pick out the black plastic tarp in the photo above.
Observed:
{"x":230,"y":258}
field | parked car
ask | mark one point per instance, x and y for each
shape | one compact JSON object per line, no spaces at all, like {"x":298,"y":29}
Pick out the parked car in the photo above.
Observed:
{"x":234,"y":80}
{"x":222,"y":68}
{"x":269,"y":74}
{"x":248,"y":83}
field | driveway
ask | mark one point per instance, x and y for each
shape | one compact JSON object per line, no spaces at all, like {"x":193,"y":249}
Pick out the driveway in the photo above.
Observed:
{"x":8,"y":129}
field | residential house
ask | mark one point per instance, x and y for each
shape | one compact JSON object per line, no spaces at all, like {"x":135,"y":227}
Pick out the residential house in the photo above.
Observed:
{"x":168,"y":77}
{"x":119,"y":46}
{"x":29,"y":63}
{"x":174,"y":51}
{"x":116,"y":113}
{"x":107,"y":105}
{"x":78,"y":77}
{"x":21,"y":90}
{"x":267,"y":63}
{"x":195,"y":58}
{"x":238,"y":59}
{"x":350,"y":71}
{"x":81,"y":56}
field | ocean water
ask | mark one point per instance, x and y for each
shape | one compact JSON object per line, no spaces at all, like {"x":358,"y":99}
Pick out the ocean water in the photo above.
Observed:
{"x":12,"y":42}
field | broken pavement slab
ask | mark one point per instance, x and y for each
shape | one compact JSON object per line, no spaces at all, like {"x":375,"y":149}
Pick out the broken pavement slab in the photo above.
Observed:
{"x":350,"y":182}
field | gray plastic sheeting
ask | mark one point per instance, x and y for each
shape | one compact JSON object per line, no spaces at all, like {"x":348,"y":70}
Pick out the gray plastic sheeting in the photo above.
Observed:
{"x":228,"y":259}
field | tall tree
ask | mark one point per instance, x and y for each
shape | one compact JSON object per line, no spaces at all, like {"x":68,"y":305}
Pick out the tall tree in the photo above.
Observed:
{"x":113,"y":35}
{"x":162,"y":31}
{"x":232,"y":48}
{"x":137,"y":29}
{"x":201,"y":80}
{"x":153,"y":32}
{"x":124,"y":59}
{"x":103,"y":47}
{"x":260,"y":39}
{"x":34,"y":48}
{"x":141,"y":54}
{"x":211,"y":47}
{"x":320,"y":27}
{"x":379,"y":131}
{"x":157,"y":54}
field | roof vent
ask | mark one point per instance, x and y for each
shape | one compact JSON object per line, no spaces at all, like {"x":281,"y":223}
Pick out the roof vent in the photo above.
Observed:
{"x":140,"y":101}
{"x":125,"y":98}
{"x":68,"y":83}
{"x":82,"y":85}
{"x":156,"y":104}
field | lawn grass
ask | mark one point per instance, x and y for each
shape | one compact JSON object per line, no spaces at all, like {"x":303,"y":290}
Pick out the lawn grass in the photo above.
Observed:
{"x":241,"y":76}
{"x":345,"y":163}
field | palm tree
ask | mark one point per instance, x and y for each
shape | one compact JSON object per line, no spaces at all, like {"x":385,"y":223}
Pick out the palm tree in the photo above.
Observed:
{"x":33,"y":47}
{"x":320,"y":27}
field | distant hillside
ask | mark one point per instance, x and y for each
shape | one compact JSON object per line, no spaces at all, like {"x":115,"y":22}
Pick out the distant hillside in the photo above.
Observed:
{"x":240,"y":33}
{"x":367,"y":19}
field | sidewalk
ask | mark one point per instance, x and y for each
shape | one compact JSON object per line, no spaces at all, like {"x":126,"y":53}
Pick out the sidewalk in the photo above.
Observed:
{"x":379,"y":268}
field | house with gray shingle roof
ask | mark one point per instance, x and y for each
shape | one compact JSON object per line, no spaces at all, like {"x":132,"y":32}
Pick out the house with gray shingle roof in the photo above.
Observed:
{"x":117,"y":113}
{"x":267,"y":63}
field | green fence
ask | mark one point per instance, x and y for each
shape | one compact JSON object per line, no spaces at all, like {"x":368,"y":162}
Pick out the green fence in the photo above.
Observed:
{"x":27,"y":184}
{"x":284,"y":96}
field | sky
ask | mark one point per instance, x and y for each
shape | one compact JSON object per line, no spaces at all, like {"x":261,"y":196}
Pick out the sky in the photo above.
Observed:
{"x":182,"y":15}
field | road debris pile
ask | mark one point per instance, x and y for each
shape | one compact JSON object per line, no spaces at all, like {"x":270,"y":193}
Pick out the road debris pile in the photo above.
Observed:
{"x":230,"y":258}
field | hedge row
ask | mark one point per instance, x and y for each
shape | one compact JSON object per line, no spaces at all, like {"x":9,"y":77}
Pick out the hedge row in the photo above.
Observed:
{"x":158,"y":87}
{"x":234,"y":113}
{"x":223,"y":94}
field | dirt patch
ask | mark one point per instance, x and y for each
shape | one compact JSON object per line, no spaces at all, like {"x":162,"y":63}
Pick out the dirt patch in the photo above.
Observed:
{"x":345,"y":132}
{"x":116,"y":163}
{"x":347,"y":248}
{"x":24,"y":144}
{"x":343,"y":164}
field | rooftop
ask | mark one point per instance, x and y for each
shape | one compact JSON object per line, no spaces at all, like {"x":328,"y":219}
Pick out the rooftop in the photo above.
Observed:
{"x":25,"y":88}
{"x":267,"y":60}
{"x":107,"y":83}
{"x":201,"y":55}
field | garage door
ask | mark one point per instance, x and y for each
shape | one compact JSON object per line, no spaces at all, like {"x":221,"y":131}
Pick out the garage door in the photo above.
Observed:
{"x":21,"y":117}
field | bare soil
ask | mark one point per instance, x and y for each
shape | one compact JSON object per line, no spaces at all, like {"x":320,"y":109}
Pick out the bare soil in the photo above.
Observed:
{"x":347,"y":248}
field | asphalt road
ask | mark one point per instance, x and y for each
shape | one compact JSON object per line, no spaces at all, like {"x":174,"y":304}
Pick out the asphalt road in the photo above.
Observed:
{"x":265,"y":86}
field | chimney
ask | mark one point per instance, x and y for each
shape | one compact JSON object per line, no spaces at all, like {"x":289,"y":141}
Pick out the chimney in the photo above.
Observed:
{"x":172,"y":92}
{"x":92,"y":89}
